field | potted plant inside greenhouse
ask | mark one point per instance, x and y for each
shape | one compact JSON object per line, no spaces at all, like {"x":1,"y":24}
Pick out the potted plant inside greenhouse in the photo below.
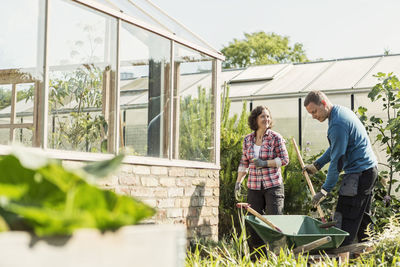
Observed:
{"x":53,"y":216}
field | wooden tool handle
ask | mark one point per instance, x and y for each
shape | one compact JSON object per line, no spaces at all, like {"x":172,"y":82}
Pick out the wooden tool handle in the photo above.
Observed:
{"x":310,"y":185}
{"x":312,"y":245}
{"x":258,"y":215}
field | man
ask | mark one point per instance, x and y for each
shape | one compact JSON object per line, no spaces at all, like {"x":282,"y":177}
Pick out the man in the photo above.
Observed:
{"x":350,"y":150}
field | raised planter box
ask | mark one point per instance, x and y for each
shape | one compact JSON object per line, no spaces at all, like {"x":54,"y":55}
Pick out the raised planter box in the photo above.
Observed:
{"x":141,"y":245}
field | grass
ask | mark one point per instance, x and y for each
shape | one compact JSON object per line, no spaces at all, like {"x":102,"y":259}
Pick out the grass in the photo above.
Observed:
{"x":234,"y":251}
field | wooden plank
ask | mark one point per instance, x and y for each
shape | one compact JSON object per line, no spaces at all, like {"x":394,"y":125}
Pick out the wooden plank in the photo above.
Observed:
{"x":312,"y":245}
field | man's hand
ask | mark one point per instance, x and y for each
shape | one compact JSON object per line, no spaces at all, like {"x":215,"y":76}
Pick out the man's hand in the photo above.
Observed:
{"x":319,"y":197}
{"x":260,"y":163}
{"x":238,"y":192}
{"x":311,"y":168}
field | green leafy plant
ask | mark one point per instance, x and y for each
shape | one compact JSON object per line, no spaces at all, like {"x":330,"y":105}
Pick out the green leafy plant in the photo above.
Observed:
{"x":196,"y":126}
{"x":233,"y":130}
{"x":84,"y":128}
{"x":41,"y":195}
{"x":387,"y":131}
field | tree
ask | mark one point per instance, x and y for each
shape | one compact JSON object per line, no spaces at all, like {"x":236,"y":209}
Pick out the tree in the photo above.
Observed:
{"x":261,"y":48}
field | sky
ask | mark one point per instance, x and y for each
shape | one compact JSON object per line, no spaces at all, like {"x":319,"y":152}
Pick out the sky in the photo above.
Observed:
{"x":327,"y":29}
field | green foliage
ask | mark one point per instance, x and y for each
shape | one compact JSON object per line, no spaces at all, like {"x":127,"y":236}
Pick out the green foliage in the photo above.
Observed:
{"x":51,"y":200}
{"x":386,"y":245}
{"x":196,"y":126}
{"x":297,"y":199}
{"x":82,"y":129}
{"x":261,"y":48}
{"x":233,"y":130}
{"x":5,"y":96}
{"x":387,"y":131}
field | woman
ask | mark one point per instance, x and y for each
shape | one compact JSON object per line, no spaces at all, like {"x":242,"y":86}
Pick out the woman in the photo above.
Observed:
{"x":264,"y":152}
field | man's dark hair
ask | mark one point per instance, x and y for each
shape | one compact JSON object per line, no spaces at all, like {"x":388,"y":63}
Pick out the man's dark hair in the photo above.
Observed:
{"x":253,"y":117}
{"x":315,"y":97}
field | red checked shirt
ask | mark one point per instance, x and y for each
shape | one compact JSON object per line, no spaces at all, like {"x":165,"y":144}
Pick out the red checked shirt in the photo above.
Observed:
{"x":272,"y":147}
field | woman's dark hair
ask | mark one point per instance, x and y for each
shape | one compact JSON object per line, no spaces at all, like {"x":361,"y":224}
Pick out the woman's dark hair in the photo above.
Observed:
{"x":254,"y":115}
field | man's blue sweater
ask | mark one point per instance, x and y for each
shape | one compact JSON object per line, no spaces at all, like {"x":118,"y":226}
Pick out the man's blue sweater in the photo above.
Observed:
{"x":350,"y":148}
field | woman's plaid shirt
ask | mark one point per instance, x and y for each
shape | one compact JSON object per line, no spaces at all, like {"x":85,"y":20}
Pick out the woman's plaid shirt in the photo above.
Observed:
{"x":273,"y":146}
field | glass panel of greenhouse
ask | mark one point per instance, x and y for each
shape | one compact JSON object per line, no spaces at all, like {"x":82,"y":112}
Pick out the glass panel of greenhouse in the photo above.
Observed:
{"x":145,"y":100}
{"x":194,"y":114}
{"x":112,"y":76}
{"x":21,"y":68}
{"x":82,"y":64}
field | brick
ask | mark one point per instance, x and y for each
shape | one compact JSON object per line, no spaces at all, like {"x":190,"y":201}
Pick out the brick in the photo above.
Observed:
{"x":212,"y":182}
{"x":190,"y":191}
{"x":129,"y":179}
{"x":193,"y":212}
{"x":151,"y":202}
{"x":207,"y":192}
{"x":165,"y":203}
{"x":149,"y":181}
{"x":138,"y":169}
{"x":192,"y":172}
{"x":175,"y":192}
{"x":212,"y":201}
{"x":123,"y":190}
{"x":205,"y":173}
{"x":126,"y":169}
{"x":174,"y":213}
{"x":215,"y":211}
{"x":199,"y":181}
{"x":159,"y":170}
{"x":216,"y":192}
{"x":164,"y":181}
{"x":206,"y":211}
{"x":183,"y":182}
{"x":161,"y":214}
{"x":196,"y":202}
{"x":182,"y":203}
{"x":142,"y":192}
{"x":176,"y":172}
{"x":160,"y":193}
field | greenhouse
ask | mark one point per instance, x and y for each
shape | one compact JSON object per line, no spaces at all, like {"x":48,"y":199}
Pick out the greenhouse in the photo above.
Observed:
{"x":283,"y":87}
{"x":64,"y":72}
{"x":67,"y":90}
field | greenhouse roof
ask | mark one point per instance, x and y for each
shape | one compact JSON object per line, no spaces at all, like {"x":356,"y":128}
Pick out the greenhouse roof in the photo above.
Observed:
{"x":149,"y":13}
{"x":334,"y":76}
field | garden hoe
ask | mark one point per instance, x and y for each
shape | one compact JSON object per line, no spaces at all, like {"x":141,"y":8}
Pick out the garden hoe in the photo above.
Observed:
{"x":247,"y":207}
{"x":321,"y":213}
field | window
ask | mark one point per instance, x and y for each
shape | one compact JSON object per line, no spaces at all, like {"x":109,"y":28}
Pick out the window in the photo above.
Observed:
{"x":82,"y":59}
{"x":145,"y":92}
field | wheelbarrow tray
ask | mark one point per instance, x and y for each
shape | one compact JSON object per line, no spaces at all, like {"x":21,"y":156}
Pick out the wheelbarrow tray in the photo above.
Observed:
{"x":297,"y":230}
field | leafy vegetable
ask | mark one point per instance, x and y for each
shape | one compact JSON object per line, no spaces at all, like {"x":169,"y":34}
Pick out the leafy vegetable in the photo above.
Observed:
{"x":51,"y":200}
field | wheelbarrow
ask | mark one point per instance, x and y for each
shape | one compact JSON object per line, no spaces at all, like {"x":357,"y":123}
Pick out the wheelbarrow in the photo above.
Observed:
{"x":298,"y":231}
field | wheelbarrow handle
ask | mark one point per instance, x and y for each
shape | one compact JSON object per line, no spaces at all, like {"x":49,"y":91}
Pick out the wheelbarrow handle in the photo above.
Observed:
{"x":312,"y":245}
{"x":258,"y":215}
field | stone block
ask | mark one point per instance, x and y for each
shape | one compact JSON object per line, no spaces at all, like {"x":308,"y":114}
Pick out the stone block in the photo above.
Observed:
{"x":167,"y":181}
{"x":175,"y":192}
{"x":174,"y":212}
{"x":176,"y":172}
{"x":192,"y":172}
{"x":142,"y":170}
{"x":183,"y":182}
{"x":165,"y":203}
{"x":156,"y":170}
{"x":129,"y":179}
{"x":149,"y":181}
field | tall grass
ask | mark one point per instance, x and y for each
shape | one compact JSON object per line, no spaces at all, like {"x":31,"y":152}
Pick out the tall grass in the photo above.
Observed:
{"x":234,"y":251}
